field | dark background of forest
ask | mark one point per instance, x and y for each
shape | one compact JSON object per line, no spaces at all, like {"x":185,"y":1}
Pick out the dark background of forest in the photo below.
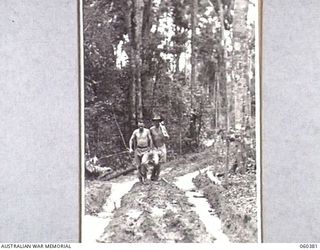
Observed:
{"x":190,"y":61}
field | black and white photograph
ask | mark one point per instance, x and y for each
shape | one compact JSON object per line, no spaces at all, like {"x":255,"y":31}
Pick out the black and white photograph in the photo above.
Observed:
{"x":171,"y":100}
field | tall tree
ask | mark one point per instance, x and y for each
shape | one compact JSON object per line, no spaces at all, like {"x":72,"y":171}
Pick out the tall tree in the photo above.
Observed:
{"x":194,"y":13}
{"x":138,"y":18}
{"x":132,"y":88}
{"x":240,"y":63}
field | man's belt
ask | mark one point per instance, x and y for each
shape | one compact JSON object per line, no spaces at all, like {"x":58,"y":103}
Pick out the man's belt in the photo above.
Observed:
{"x":142,"y":147}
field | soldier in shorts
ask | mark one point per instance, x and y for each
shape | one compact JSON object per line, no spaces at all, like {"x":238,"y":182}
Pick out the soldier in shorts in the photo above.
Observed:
{"x":159,"y":135}
{"x":142,"y":141}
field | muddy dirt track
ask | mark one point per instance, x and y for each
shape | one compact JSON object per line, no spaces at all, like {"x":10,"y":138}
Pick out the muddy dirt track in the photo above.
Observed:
{"x":155,"y":212}
{"x":163,"y":212}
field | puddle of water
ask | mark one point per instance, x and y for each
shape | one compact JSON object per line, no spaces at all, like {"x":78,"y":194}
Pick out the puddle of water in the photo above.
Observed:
{"x":201,"y":206}
{"x":118,"y":190}
{"x":211,"y":222}
{"x":93,"y":226}
{"x":185,"y":182}
{"x":213,"y":178}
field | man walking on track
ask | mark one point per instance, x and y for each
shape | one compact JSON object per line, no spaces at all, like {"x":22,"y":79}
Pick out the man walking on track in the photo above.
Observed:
{"x":142,"y":142}
{"x":159,"y":135}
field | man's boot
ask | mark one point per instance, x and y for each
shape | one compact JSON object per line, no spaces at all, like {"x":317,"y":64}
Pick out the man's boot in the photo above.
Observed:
{"x":140,"y":174}
{"x":144,"y":171}
{"x":140,"y":179}
{"x":158,"y":172}
{"x":155,"y":172}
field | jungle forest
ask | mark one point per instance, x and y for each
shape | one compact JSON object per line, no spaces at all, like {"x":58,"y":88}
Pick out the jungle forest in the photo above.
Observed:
{"x":190,"y":61}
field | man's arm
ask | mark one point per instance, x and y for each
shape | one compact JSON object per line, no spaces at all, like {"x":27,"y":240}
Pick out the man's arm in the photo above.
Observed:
{"x":150,"y":139}
{"x":131,"y":141}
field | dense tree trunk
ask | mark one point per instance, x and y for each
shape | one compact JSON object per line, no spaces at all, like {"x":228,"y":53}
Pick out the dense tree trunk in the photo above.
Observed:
{"x":132,"y":88}
{"x":240,"y":54}
{"x":217,"y":104}
{"x":222,"y":61}
{"x":147,"y":23}
{"x":138,"y":18}
{"x":229,"y":73}
{"x":146,"y":71}
{"x":194,"y":13}
{"x":223,"y":58}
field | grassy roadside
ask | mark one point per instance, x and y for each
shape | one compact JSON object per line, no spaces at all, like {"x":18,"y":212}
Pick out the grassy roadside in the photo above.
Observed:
{"x":96,"y":194}
{"x":234,"y":203}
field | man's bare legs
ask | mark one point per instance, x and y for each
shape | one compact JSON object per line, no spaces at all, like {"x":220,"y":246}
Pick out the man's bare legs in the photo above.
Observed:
{"x":142,"y":161}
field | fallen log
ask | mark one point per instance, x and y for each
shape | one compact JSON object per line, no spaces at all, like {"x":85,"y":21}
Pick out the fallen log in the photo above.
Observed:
{"x":107,"y":177}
